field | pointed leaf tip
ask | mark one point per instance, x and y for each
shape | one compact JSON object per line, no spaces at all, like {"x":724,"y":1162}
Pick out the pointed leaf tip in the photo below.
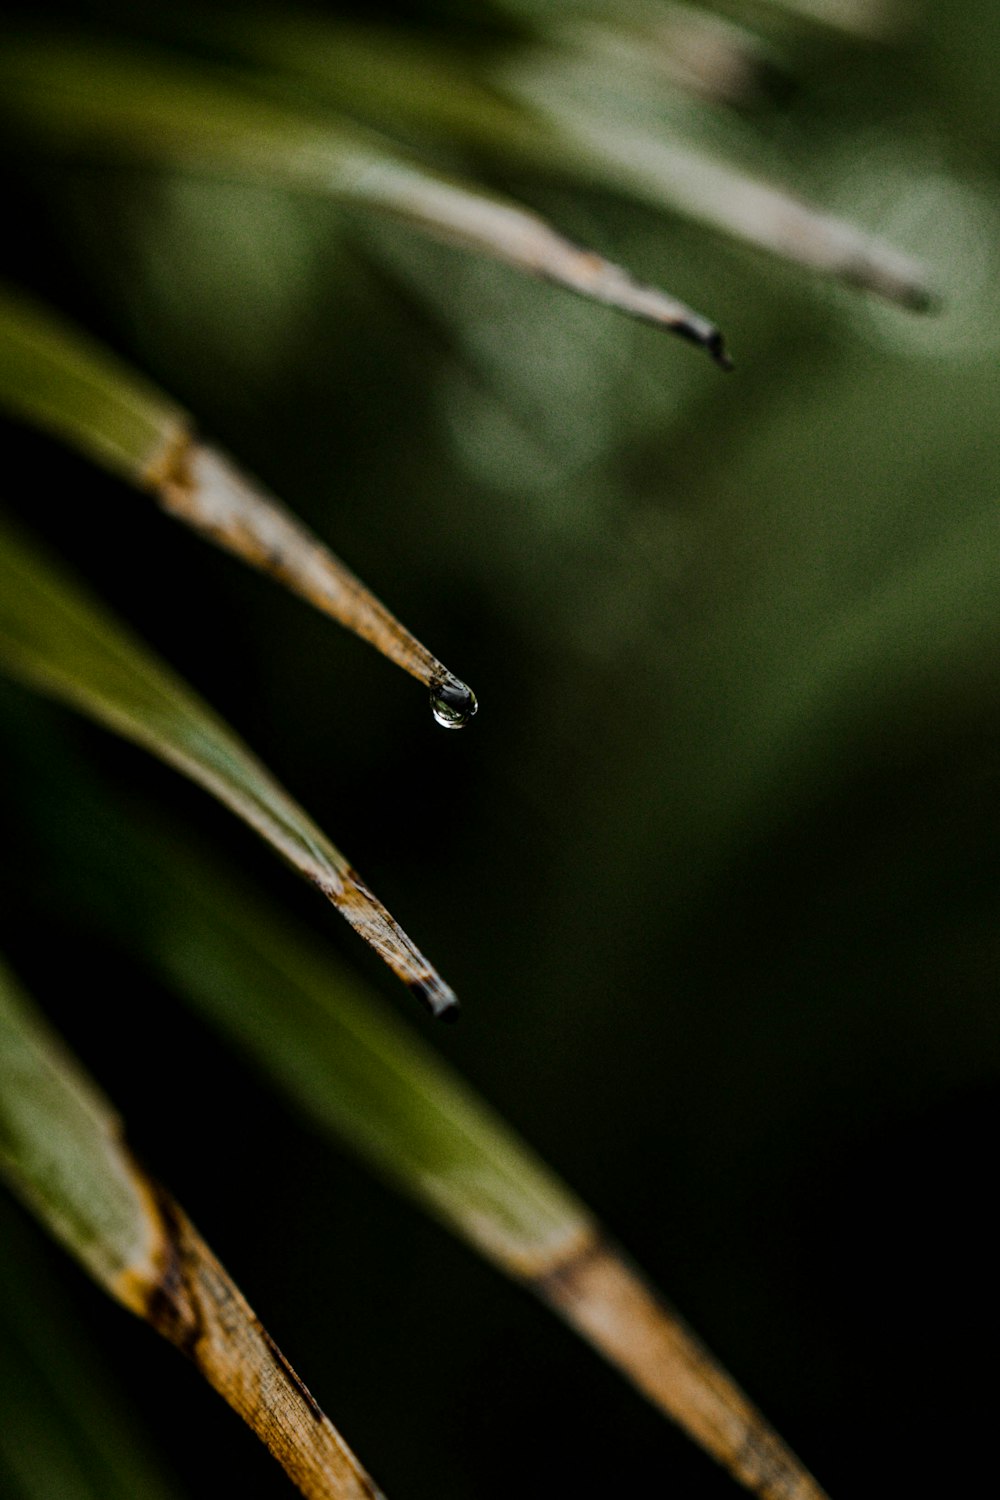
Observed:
{"x":60,"y":642}
{"x":711,"y":340}
{"x":63,"y":1152}
{"x":123,"y":105}
{"x":440,"y":1000}
{"x":717,"y":349}
{"x":607,"y":1300}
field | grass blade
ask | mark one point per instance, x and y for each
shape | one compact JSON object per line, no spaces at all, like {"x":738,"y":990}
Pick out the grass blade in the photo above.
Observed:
{"x":56,"y":378}
{"x":364,"y":1079}
{"x":87,"y":100}
{"x":359,"y":1073}
{"x":551,"y":107}
{"x":59,"y":641}
{"x":63,"y":1151}
{"x":707,"y":188}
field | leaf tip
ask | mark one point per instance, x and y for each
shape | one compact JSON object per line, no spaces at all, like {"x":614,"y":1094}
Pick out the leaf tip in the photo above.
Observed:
{"x":923,"y":299}
{"x":440,"y":1000}
{"x":716,"y":346}
{"x":707,"y":337}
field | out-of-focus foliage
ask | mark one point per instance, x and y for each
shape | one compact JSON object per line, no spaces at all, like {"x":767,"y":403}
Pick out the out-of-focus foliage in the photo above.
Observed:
{"x":67,"y":1429}
{"x":715,"y":868}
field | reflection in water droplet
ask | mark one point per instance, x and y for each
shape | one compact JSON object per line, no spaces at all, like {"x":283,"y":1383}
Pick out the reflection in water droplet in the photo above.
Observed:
{"x":452,"y":703}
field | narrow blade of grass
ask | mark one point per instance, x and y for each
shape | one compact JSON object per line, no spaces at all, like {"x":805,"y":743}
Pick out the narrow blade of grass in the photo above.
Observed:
{"x":358,"y":1072}
{"x":367,"y":1081}
{"x":56,"y":378}
{"x":539,"y":106}
{"x":89,"y":101}
{"x":708,"y":188}
{"x":59,"y":641}
{"x":63,"y":1152}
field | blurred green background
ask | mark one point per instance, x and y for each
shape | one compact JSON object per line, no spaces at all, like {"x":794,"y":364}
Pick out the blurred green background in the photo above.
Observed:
{"x":715,"y":871}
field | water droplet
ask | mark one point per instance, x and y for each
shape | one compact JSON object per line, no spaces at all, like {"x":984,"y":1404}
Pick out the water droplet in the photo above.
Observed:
{"x":452,"y":703}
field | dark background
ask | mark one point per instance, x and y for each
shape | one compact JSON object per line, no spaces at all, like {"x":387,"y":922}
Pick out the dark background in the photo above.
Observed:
{"x":715,"y":870}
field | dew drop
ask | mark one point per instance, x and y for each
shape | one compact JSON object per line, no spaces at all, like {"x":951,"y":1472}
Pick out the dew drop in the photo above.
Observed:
{"x":452,"y":703}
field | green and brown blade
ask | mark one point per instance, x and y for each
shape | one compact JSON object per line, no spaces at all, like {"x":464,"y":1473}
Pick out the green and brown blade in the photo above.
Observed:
{"x":97,"y":103}
{"x":568,"y":103}
{"x":365,"y":1080}
{"x":63,"y":1151}
{"x":58,"y":640}
{"x":360,"y":1074}
{"x":55,"y":377}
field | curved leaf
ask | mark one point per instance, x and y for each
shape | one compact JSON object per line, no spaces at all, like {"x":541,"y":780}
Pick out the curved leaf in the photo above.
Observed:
{"x":88,"y":100}
{"x":612,"y":149}
{"x":550,"y":107}
{"x":363,"y":1077}
{"x":55,"y":377}
{"x":358,"y":1073}
{"x":63,"y":1151}
{"x":56,"y":639}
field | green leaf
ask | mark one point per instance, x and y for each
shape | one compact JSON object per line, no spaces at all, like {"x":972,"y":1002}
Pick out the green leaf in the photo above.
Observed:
{"x":60,"y":1144}
{"x":58,"y":379}
{"x":59,"y":641}
{"x":63,"y":1152}
{"x":572,"y":107}
{"x":617,"y":146}
{"x":346,"y":1060}
{"x":55,"y":377}
{"x":89,"y":101}
{"x":363,"y":1078}
{"x":360,"y":1075}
